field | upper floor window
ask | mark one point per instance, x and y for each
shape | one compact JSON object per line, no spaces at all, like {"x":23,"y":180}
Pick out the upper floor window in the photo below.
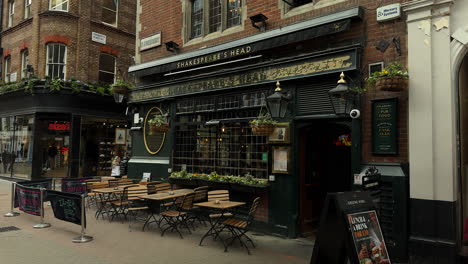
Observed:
{"x":24,"y":63}
{"x":106,"y":68}
{"x":110,"y":11}
{"x":56,"y":66}
{"x":27,"y":8}
{"x":8,"y":69}
{"x":59,"y":5}
{"x":11,"y":13}
{"x":219,"y":15}
{"x":296,"y":3}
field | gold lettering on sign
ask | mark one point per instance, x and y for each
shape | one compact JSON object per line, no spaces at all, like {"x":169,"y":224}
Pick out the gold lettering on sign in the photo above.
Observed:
{"x":214,"y":57}
{"x":256,"y":76}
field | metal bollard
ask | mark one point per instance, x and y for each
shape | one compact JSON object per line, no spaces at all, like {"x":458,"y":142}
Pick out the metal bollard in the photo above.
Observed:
{"x":82,"y":238}
{"x":42,"y":224}
{"x":11,"y":213}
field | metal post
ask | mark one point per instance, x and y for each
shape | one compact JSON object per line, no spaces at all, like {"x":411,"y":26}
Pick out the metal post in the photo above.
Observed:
{"x":13,"y":190}
{"x":82,"y":238}
{"x":42,"y":224}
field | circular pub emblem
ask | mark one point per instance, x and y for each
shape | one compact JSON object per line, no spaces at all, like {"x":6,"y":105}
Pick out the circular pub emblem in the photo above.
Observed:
{"x":153,"y":136}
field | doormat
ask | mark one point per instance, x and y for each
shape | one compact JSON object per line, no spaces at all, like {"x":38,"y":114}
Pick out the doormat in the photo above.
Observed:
{"x":8,"y":228}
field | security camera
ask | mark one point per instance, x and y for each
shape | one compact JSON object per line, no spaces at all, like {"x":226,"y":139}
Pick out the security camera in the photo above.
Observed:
{"x":355,"y":113}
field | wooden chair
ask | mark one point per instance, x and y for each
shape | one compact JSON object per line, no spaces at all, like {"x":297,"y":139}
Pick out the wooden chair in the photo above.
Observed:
{"x":93,"y":196}
{"x":239,"y":228}
{"x":163,"y":187}
{"x":197,"y":213}
{"x":151,"y":186}
{"x":129,"y":202}
{"x":178,"y":217}
{"x":220,"y":195}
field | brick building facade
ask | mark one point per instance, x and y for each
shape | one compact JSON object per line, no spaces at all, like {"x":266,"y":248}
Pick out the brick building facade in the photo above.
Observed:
{"x":222,"y":58}
{"x":71,"y":24}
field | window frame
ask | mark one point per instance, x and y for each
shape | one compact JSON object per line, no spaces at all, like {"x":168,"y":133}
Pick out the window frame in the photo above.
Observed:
{"x":64,"y":60}
{"x":11,"y":13}
{"x":115,"y":66}
{"x":205,"y":28}
{"x":60,"y":10}
{"x":7,"y":69}
{"x":27,"y":8}
{"x":24,"y":63}
{"x":116,"y":14}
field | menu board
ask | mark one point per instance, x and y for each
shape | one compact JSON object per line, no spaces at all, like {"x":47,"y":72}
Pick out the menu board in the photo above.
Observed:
{"x":66,"y":206}
{"x":367,"y":238}
{"x":28,"y":199}
{"x":384,"y":126}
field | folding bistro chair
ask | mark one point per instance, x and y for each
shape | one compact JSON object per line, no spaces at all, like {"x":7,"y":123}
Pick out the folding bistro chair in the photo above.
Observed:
{"x":128,"y":199}
{"x":239,"y":228}
{"x":196,"y":213}
{"x":92,"y":197}
{"x":220,"y":195}
{"x":178,"y":217}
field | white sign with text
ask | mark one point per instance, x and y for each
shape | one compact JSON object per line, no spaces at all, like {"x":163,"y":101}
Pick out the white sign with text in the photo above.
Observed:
{"x":99,"y":38}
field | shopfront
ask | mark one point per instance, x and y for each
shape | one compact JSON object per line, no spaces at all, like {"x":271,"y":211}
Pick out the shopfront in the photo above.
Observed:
{"x":209,"y":113}
{"x":61,"y":134}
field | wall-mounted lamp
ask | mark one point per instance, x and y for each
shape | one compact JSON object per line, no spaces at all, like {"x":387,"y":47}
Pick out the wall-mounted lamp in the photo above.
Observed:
{"x":172,"y":46}
{"x":259,"y":19}
{"x":342,"y":98}
{"x":278,"y":102}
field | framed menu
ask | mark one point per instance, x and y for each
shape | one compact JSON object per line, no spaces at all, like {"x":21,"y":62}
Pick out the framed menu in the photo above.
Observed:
{"x":384,"y":126}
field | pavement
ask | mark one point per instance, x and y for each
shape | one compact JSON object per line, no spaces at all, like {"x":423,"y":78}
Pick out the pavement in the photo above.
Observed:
{"x":118,"y":243}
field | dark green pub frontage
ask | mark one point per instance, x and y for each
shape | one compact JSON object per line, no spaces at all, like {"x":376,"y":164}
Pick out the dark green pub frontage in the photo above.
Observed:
{"x":210,"y":95}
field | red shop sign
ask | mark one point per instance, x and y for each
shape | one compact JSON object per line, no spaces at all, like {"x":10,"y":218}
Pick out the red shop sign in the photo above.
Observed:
{"x":60,"y":127}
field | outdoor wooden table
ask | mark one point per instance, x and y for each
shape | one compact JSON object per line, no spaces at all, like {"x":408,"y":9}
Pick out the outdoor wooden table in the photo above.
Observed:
{"x":107,"y":194}
{"x":161,"y":196}
{"x":222,"y":206}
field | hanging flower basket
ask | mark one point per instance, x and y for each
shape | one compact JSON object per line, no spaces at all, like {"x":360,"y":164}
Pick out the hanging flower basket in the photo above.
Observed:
{"x":119,"y":89}
{"x":263,"y":129}
{"x":162,"y":128}
{"x":393,"y":84}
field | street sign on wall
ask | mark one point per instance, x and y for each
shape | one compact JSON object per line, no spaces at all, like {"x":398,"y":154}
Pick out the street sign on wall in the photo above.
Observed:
{"x":388,"y":12}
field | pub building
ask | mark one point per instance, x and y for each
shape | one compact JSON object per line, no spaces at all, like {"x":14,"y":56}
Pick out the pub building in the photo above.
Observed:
{"x":209,"y":96}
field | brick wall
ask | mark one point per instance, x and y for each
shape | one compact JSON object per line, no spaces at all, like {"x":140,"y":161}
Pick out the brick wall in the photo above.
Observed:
{"x":170,"y":19}
{"x":74,"y":28}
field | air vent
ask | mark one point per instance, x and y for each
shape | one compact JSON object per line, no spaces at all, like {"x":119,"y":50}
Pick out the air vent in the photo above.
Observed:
{"x":8,"y":229}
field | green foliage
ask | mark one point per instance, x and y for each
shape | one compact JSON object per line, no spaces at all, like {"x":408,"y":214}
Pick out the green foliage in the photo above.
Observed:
{"x":75,"y":85}
{"x":29,"y":85}
{"x":213,"y":176}
{"x":392,"y":70}
{"x":158,"y":120}
{"x":263,"y":118}
{"x":55,"y":85}
{"x":122,"y":83}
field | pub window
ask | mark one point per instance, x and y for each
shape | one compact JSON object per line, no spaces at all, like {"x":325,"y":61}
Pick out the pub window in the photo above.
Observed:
{"x":58,"y":5}
{"x":11,"y":13}
{"x":110,"y":12}
{"x":106,"y":68}
{"x":24,"y":63}
{"x":27,"y":8}
{"x":208,"y":16}
{"x":8,"y":69}
{"x":56,"y":66}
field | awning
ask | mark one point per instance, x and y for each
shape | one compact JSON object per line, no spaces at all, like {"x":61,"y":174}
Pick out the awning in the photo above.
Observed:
{"x":320,"y":26}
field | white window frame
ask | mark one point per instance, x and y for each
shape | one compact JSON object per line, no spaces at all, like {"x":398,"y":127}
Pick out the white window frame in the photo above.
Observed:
{"x":27,"y":8}
{"x":24,"y":63}
{"x":11,"y":12}
{"x":64,"y":60}
{"x":115,"y":65}
{"x":61,"y":6}
{"x":7,"y":69}
{"x":116,"y":14}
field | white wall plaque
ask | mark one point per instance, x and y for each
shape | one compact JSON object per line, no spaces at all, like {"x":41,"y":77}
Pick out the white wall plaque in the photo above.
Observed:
{"x":13,"y":77}
{"x":97,"y":37}
{"x":150,"y":42}
{"x":388,"y":12}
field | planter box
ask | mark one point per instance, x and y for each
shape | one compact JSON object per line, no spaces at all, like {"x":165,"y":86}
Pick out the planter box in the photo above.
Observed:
{"x":183,"y":181}
{"x":249,"y":188}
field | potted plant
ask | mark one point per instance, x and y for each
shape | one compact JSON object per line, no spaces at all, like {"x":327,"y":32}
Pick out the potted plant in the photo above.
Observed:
{"x":250,"y":184}
{"x":121,"y":87}
{"x":158,"y":124}
{"x":264,"y":125}
{"x":394,"y":77}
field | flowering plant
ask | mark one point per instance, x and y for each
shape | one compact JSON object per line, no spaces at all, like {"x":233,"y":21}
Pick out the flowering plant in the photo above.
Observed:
{"x":393,"y":70}
{"x":158,"y":120}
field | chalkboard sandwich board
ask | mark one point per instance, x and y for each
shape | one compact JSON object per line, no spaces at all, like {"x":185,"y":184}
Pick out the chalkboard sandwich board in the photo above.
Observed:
{"x":66,"y":206}
{"x":349,"y":231}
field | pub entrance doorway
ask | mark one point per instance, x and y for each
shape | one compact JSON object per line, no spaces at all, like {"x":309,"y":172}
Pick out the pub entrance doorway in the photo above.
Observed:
{"x":324,"y":166}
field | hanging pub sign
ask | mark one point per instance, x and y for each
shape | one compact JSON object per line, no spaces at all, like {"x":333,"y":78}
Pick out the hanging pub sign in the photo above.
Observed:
{"x":384,"y":126}
{"x":66,"y":206}
{"x":28,"y":199}
{"x":77,"y":186}
{"x":349,"y":231}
